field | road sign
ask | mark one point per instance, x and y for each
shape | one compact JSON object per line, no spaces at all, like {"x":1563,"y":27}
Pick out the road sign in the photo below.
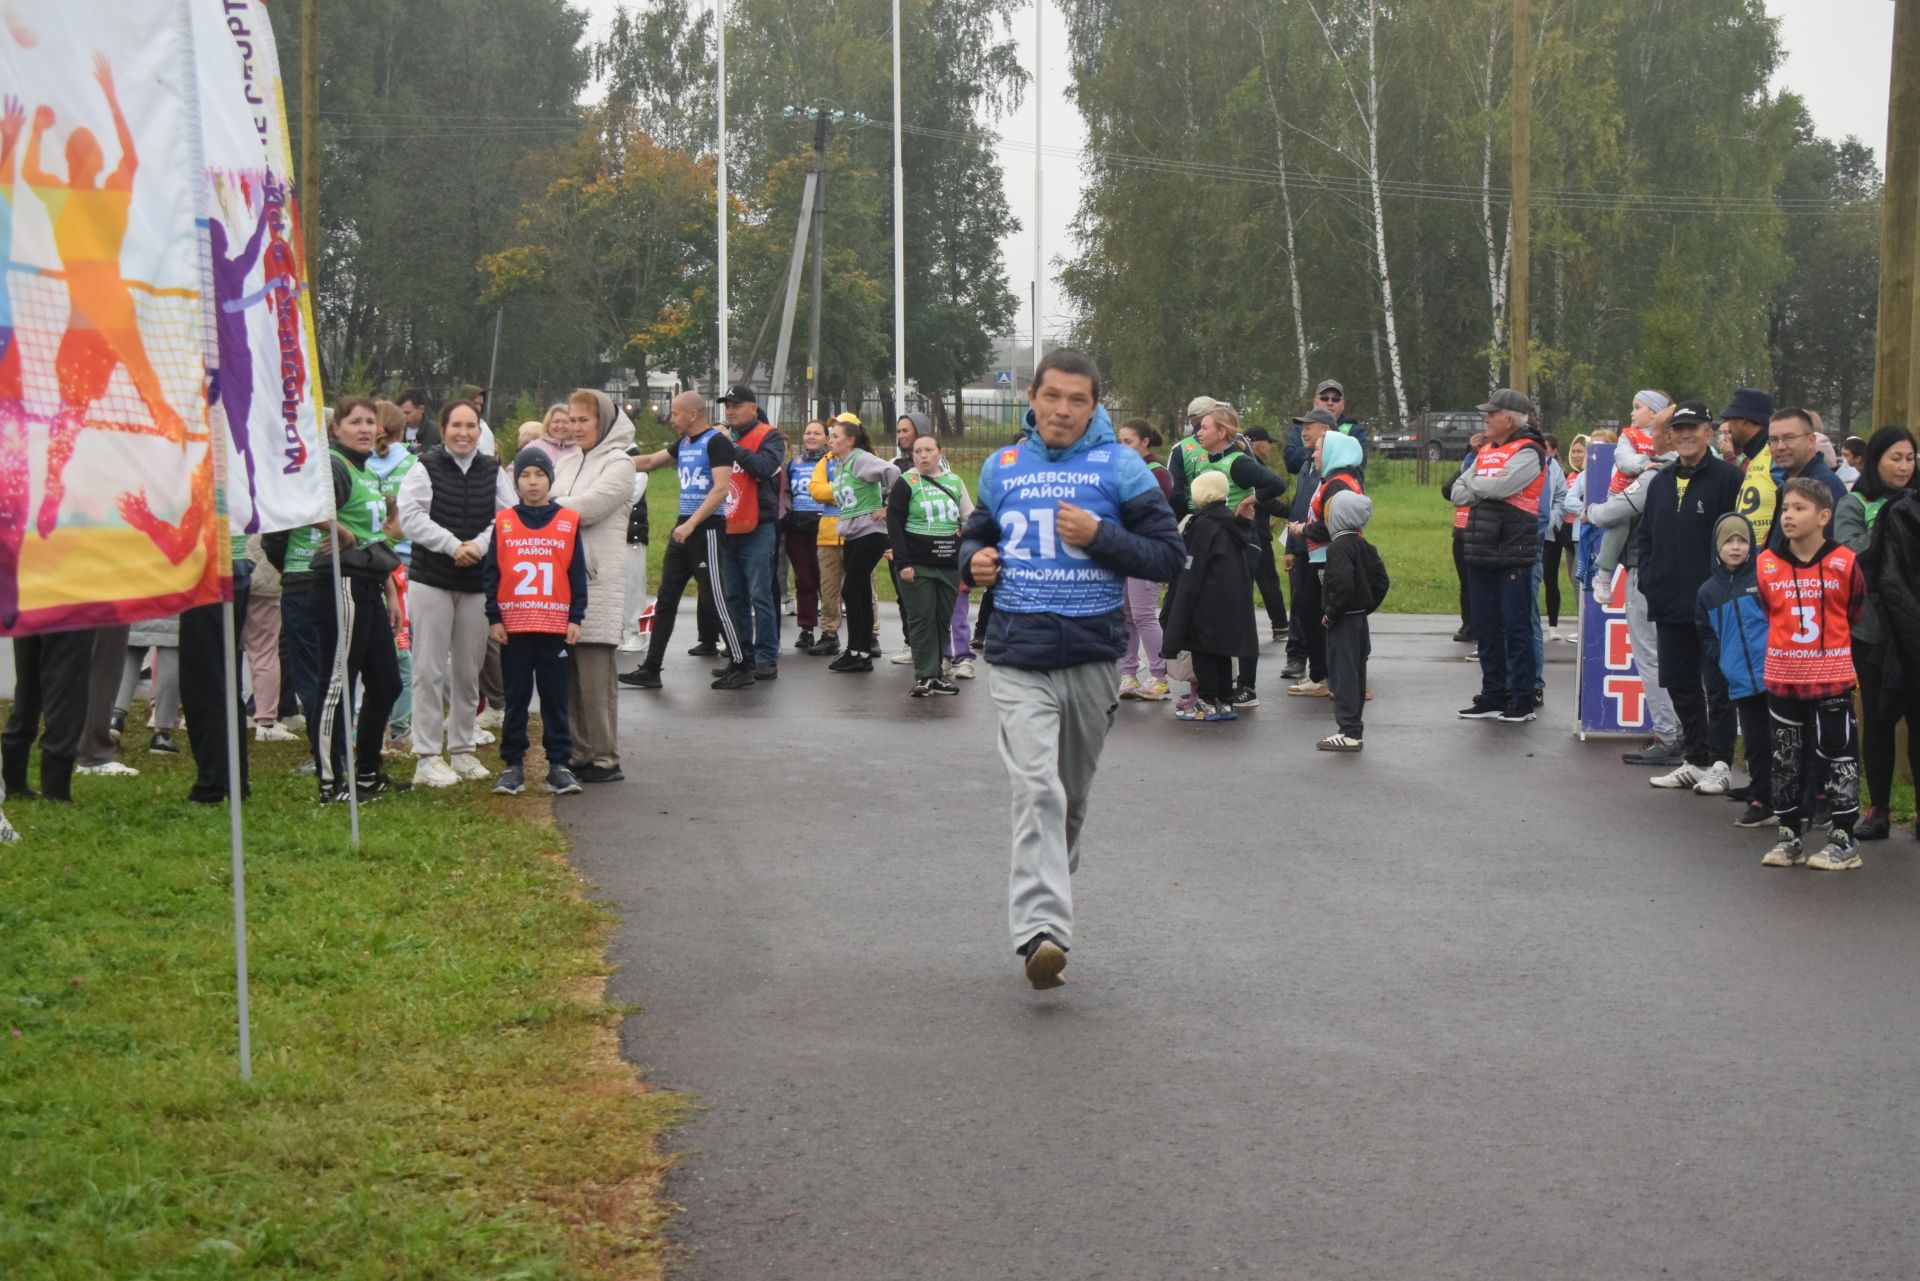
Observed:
{"x":1003,"y":378}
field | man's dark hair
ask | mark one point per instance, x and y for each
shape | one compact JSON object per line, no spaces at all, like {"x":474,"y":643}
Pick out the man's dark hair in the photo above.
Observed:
{"x":1780,"y":415}
{"x":412,"y":396}
{"x":1811,"y":490}
{"x":1068,"y":361}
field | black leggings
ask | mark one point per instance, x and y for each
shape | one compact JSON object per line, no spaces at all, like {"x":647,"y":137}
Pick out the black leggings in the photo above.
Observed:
{"x":1879,"y":730}
{"x":1460,"y":572}
{"x":360,"y":630}
{"x":1825,"y":725}
{"x":1550,"y":573}
{"x":859,"y":556}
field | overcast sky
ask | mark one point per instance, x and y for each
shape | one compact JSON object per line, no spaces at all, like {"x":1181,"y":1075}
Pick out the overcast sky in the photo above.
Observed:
{"x":1838,"y":57}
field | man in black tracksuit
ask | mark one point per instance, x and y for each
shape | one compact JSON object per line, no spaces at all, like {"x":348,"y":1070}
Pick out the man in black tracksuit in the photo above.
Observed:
{"x":1684,"y":502}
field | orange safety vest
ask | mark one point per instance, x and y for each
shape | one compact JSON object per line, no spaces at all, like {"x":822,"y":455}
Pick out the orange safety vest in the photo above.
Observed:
{"x":743,"y":492}
{"x":1492,"y":460}
{"x":535,"y":592}
{"x":1809,"y":623}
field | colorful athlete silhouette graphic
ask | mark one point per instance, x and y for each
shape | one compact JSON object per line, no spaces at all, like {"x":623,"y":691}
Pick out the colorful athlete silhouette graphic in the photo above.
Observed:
{"x":234,"y":382}
{"x":103,"y":329}
{"x":283,"y":288}
{"x":14,"y":474}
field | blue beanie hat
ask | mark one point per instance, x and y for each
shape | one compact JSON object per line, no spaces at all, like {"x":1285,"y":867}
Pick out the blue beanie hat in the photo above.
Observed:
{"x":1750,"y":404}
{"x":532,"y":457}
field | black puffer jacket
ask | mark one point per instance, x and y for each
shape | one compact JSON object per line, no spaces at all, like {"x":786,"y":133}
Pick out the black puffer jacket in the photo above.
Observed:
{"x":1499,"y":533}
{"x":1677,"y":554}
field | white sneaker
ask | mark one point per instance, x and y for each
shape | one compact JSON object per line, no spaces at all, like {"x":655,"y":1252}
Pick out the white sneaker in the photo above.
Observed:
{"x":296,"y":722}
{"x":110,"y":769}
{"x":903,"y":658}
{"x":1309,"y":689}
{"x":789,"y":607}
{"x":1553,"y":634}
{"x":632,"y":644}
{"x":1686,"y":776}
{"x":1717,"y":781}
{"x":963,"y":670}
{"x":482,"y":738}
{"x":270,"y":733}
{"x":433,"y":771}
{"x":492,"y":718}
{"x":468,"y":768}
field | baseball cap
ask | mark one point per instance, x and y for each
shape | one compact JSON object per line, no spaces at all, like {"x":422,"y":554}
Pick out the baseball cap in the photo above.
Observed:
{"x":1258,"y":433}
{"x":1320,"y":416}
{"x":1508,"y":399}
{"x":1331,"y":385}
{"x":1202,"y":405}
{"x":1690,"y":413}
{"x":741,"y":393}
{"x":848,"y":417}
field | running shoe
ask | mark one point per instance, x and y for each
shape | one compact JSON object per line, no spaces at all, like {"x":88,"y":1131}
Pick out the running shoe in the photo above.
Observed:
{"x":1308,"y":689}
{"x":1516,"y":714}
{"x":268,"y":732}
{"x":1219,"y":712}
{"x":466,"y":767}
{"x":804,"y":641}
{"x":162,"y":744}
{"x":941,"y":685}
{"x":1044,"y":960}
{"x":1686,"y":776}
{"x":1787,"y":852}
{"x":1479,"y":710}
{"x":735,"y":678}
{"x":561,"y":782}
{"x":1873,"y":825}
{"x":432,"y":771}
{"x":1464,"y":635}
{"x":766,"y":672}
{"x":1757,"y":814}
{"x":705,"y":649}
{"x":108,"y":769}
{"x":491,"y":718}
{"x":922,"y":688}
{"x":828,"y":644}
{"x":640,"y":678}
{"x":483,"y":737}
{"x":1129,"y":687}
{"x":1841,"y":853}
{"x":512,"y":780}
{"x":1338,"y":743}
{"x":116,"y":722}
{"x":1243,"y":698}
{"x":963,"y":671}
{"x":1194,"y":711}
{"x":1717,"y":781}
{"x":599,"y":774}
{"x":903,"y":659}
{"x":1154,"y":690}
{"x":1293,"y":670}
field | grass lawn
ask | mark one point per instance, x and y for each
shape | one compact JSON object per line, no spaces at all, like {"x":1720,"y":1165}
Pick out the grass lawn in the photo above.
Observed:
{"x":436,"y":1092}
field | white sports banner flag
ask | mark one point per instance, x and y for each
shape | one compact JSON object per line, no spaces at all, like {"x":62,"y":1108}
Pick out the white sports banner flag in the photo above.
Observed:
{"x":266,"y":377}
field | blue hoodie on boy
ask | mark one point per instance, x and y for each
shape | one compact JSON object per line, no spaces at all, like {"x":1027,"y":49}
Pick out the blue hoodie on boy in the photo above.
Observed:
{"x":1730,"y":618}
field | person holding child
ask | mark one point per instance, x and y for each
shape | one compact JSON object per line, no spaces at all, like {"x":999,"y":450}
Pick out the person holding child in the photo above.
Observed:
{"x":1813,"y":591}
{"x":535,"y":584}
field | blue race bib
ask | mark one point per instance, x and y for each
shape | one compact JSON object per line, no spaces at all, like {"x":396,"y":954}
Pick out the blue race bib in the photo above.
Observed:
{"x":1040,"y":573}
{"x":696,"y":472}
{"x":800,"y":485}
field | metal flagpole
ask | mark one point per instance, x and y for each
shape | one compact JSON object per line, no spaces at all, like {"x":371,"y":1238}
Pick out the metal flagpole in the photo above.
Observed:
{"x":720,"y":99}
{"x":899,"y":236}
{"x":1039,"y":249}
{"x":340,"y":676}
{"x":236,"y":785}
{"x":493,"y":364}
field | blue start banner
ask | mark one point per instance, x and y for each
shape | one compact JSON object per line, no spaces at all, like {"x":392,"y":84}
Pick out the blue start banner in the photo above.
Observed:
{"x":1613,"y":699}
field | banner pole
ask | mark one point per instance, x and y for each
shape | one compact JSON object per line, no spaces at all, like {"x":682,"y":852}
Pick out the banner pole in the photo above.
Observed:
{"x":235,"y":787}
{"x":340,"y":679}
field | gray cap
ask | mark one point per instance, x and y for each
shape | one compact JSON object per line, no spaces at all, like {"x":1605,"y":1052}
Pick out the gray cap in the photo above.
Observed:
{"x":1331,"y":385}
{"x":1320,"y":416}
{"x":1200,"y":405}
{"x":1509,"y":399}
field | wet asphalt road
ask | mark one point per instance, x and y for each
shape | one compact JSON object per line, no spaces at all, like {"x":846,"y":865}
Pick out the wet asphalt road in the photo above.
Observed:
{"x":1478,"y":1003}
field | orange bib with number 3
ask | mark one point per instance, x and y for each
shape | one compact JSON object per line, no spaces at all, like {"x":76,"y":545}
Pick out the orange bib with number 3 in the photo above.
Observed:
{"x":535,"y":594}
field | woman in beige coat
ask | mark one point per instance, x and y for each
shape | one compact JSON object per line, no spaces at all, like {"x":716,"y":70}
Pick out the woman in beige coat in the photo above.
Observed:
{"x":597,"y":482}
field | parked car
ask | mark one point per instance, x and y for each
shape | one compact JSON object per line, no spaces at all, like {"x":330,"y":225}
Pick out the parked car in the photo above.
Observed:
{"x":1437,"y":434}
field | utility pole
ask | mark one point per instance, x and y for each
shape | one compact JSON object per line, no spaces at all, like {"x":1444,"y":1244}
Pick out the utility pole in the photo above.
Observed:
{"x":777,"y":389}
{"x":1896,"y":386}
{"x":1039,"y":247}
{"x":819,"y":247}
{"x":310,"y":130}
{"x":720,"y":174}
{"x":899,"y":237}
{"x":1519,"y":282}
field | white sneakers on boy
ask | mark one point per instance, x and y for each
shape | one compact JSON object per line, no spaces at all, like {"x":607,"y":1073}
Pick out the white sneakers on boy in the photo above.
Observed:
{"x":1717,"y":781}
{"x":466,"y":767}
{"x":433,"y":771}
{"x":1686,"y":776}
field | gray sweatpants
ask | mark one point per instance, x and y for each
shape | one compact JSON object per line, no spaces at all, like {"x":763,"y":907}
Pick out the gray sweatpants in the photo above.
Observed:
{"x":1646,"y":657}
{"x":449,"y":645}
{"x":1052,"y":727}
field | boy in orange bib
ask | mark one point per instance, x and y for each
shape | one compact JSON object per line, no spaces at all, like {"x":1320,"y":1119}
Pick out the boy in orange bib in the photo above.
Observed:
{"x":536,"y":593}
{"x":1812,"y":592}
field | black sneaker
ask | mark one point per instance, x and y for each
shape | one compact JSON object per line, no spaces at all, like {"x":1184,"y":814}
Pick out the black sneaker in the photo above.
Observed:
{"x":640,"y":678}
{"x":1873,"y":825}
{"x":1293,"y":671}
{"x":721,"y":670}
{"x":941,"y":685}
{"x":851,"y":662}
{"x":804,"y":641}
{"x":766,"y":672}
{"x":162,"y":744}
{"x":1279,"y":633}
{"x":1539,"y":698}
{"x":375,"y":785}
{"x":512,"y":780}
{"x":828,"y":644}
{"x":1464,"y":636}
{"x":116,"y":723}
{"x":1740,"y":794}
{"x":735,"y":678}
{"x":1757,"y":814}
{"x":1044,"y":961}
{"x":1517,"y":714}
{"x":705,"y":649}
{"x":1481,"y":710}
{"x":1655,"y":753}
{"x":1244,"y":698}
{"x":921,"y":688}
{"x":599,"y":774}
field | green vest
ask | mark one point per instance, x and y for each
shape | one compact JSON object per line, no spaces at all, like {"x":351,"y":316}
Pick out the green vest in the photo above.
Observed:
{"x":931,"y":513}
{"x":853,"y":496}
{"x":1236,"y":492}
{"x":302,"y":543}
{"x":1191,"y":457}
{"x":1872,"y":509}
{"x":365,"y":511}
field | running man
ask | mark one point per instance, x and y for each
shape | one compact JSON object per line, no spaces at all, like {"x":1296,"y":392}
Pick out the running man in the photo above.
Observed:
{"x":103,"y":328}
{"x":1065,"y":516}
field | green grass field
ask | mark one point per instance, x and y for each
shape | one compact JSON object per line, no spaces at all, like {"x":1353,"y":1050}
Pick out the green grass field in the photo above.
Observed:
{"x":436,"y":1092}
